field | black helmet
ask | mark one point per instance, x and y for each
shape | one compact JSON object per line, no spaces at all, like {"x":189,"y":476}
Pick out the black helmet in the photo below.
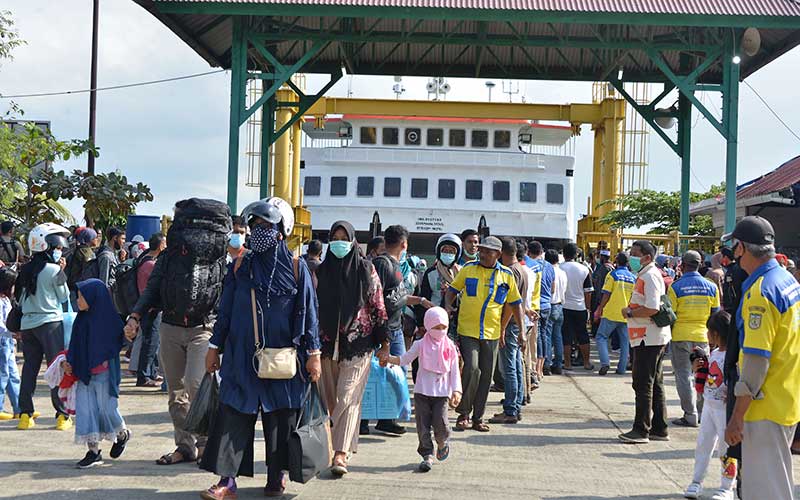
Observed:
{"x":273,"y":210}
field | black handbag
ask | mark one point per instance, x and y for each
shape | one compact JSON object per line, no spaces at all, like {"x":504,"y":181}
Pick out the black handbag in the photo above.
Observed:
{"x":14,"y":318}
{"x":205,"y":405}
{"x":309,"y":443}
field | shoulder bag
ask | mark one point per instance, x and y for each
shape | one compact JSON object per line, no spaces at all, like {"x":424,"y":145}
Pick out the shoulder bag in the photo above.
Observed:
{"x":665,"y":315}
{"x":275,"y":363}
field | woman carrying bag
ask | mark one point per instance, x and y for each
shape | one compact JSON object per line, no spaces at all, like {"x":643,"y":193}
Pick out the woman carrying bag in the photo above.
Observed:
{"x":352,"y":325}
{"x":267,"y":330}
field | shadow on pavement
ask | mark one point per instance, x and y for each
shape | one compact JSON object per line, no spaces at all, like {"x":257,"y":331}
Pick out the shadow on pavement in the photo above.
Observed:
{"x":135,"y":493}
{"x":653,"y":455}
{"x":665,"y":496}
{"x":490,"y":439}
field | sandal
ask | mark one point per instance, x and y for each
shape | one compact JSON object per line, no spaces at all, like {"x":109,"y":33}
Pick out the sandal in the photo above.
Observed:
{"x":171,"y":459}
{"x":479,"y":426}
{"x":218,"y":492}
{"x":462,"y":423}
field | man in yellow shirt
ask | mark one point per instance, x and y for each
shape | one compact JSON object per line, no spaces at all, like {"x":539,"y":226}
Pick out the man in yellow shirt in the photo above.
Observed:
{"x":488,"y":294}
{"x":694,"y":299}
{"x":768,"y":391}
{"x":616,"y":295}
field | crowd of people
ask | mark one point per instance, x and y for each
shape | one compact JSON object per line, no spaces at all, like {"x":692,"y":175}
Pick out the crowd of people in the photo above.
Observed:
{"x":225,"y":295}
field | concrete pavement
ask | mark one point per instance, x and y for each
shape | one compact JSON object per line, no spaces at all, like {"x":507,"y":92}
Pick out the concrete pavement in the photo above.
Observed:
{"x":564,"y":449}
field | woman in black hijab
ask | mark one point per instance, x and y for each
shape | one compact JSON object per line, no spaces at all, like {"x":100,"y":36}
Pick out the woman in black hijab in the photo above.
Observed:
{"x":352,"y":321}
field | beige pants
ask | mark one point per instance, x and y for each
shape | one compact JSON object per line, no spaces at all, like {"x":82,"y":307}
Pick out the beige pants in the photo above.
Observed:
{"x":528,"y":359}
{"x":342,"y":387}
{"x":183,"y":359}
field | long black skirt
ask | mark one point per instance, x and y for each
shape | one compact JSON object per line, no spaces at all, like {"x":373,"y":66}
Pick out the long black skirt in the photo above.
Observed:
{"x":229,"y":450}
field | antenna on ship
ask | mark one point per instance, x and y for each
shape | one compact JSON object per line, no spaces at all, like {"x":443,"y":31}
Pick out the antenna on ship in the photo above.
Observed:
{"x":437,"y":87}
{"x":510,"y":91}
{"x":398,"y":88}
{"x":490,"y":85}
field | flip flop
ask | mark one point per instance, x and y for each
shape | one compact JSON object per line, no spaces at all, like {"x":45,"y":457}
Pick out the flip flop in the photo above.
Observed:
{"x":169,"y":458}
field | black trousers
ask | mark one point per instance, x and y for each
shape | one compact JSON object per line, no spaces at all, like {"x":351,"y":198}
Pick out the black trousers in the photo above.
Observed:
{"x":648,"y":383}
{"x":44,"y":341}
{"x":229,"y":450}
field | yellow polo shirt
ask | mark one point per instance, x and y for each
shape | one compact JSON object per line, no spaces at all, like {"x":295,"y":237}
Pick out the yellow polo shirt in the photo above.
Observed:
{"x":769,"y":326}
{"x":619,"y":285}
{"x":484,"y":292}
{"x":694,"y":299}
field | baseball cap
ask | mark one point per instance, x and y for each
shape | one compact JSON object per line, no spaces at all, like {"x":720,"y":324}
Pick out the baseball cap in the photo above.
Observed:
{"x":727,"y":252}
{"x":692,"y":258}
{"x":491,"y":243}
{"x":752,"y":229}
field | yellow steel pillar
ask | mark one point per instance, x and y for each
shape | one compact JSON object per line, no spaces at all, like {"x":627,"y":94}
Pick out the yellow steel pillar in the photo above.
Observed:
{"x":597,"y":166}
{"x":281,"y":163}
{"x":296,"y":139}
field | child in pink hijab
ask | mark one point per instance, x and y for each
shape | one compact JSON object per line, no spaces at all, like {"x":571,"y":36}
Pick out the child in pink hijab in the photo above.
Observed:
{"x":438,"y":382}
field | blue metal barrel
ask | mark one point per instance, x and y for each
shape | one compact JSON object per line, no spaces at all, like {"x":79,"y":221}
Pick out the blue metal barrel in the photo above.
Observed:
{"x":142,"y":225}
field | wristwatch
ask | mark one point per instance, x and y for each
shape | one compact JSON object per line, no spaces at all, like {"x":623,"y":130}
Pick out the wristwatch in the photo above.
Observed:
{"x":629,"y":314}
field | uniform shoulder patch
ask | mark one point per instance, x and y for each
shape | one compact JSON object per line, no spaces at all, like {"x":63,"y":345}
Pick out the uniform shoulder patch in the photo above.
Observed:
{"x":754,"y":320}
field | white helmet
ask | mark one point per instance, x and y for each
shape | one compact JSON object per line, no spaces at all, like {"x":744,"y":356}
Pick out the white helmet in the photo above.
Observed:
{"x":275,"y":210}
{"x":47,"y":236}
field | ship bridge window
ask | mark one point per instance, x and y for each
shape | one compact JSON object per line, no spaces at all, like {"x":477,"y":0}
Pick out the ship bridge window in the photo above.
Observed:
{"x":365,"y":186}
{"x":458,"y":138}
{"x":474,"y":190}
{"x":480,"y":139}
{"x":527,"y":192}
{"x":311,"y":186}
{"x":501,"y":190}
{"x":435,"y":137}
{"x":419,"y":188}
{"x":338,"y":186}
{"x":502,"y":139}
{"x":391,"y":136}
{"x":369,"y":135}
{"x":447,"y":189}
{"x":555,"y":194}
{"x":391,"y":187}
{"x":413,"y":137}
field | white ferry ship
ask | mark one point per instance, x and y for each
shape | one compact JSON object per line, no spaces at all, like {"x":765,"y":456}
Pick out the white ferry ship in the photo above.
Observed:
{"x":439,"y":175}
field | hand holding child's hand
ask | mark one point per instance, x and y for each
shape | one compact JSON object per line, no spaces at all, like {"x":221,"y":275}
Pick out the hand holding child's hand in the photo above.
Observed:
{"x":455,"y":399}
{"x":67,"y":367}
{"x":383,"y":357}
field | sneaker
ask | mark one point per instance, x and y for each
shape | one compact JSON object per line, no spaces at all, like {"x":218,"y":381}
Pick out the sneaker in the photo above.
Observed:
{"x":659,"y":437}
{"x":603,"y":370}
{"x":119,"y":446}
{"x":6,"y":416}
{"x":426,"y":465}
{"x":633,"y":437}
{"x":63,"y":423}
{"x":693,"y":491}
{"x":363,"y":428}
{"x":502,"y":418}
{"x":91,"y":459}
{"x":682,"y":422}
{"x":390,"y":427}
{"x":723,"y":495}
{"x":26,"y":422}
{"x":556,"y":370}
{"x":546,"y":371}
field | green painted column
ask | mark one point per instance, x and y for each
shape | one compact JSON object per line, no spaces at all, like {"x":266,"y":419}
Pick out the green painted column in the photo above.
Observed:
{"x":730,"y":120}
{"x":238,"y":82}
{"x":267,"y":133}
{"x":685,"y":148}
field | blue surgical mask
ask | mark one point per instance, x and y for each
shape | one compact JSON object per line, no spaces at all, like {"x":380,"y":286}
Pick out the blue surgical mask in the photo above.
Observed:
{"x":635,"y":263}
{"x":340,"y":248}
{"x":447,"y":259}
{"x":236,"y":240}
{"x":57,"y":255}
{"x":403,"y":255}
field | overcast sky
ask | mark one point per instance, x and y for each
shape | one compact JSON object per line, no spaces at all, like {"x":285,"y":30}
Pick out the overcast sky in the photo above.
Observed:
{"x":174,"y":136}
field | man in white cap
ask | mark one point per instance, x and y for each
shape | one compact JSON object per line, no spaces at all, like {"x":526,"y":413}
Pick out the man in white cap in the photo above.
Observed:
{"x":768,"y":391}
{"x":486,"y":288}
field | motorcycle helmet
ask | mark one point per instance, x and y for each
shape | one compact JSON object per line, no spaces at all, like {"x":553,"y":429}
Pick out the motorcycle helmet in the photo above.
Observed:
{"x":46,"y":237}
{"x":452,"y":240}
{"x":273,"y":210}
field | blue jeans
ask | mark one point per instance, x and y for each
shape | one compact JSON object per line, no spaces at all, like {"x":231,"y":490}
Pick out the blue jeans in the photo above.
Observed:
{"x":513,"y":374}
{"x":9,"y":374}
{"x":554,"y":324}
{"x":544,"y":347}
{"x":146,"y":369}
{"x":606,"y":329}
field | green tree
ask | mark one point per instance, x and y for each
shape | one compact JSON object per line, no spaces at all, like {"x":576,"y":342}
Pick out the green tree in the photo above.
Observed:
{"x":9,"y":40}
{"x":660,"y":209}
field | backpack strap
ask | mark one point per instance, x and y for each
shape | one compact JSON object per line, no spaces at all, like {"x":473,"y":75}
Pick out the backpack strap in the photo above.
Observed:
{"x":296,"y":267}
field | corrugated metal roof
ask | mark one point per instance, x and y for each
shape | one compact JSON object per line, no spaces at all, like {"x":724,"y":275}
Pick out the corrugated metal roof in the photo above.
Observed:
{"x":691,"y":7}
{"x":783,"y":177}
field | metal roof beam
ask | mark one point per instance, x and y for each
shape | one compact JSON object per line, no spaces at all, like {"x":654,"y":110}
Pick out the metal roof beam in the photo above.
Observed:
{"x":583,"y":17}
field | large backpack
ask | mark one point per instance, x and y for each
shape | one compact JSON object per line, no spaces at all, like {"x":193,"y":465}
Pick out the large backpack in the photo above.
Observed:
{"x":78,"y":270}
{"x":125,"y":290}
{"x":194,"y":263}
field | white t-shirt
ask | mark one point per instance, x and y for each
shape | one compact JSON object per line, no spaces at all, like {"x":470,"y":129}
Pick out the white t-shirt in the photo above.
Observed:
{"x":579,"y":280}
{"x":559,"y":286}
{"x":715,"y":391}
{"x":647,"y":293}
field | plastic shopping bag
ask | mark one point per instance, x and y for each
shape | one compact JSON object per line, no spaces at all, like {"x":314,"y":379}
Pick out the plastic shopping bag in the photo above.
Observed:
{"x":310,"y":444}
{"x":204,"y":407}
{"x":386,"y":395}
{"x":69,"y":319}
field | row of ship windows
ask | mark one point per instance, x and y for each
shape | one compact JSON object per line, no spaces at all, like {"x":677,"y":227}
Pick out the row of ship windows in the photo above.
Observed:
{"x":392,"y":187}
{"x":456,"y":138}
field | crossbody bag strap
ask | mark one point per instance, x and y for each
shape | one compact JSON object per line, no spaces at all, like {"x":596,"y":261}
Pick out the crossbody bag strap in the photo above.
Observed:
{"x":255,"y":317}
{"x":296,"y":266}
